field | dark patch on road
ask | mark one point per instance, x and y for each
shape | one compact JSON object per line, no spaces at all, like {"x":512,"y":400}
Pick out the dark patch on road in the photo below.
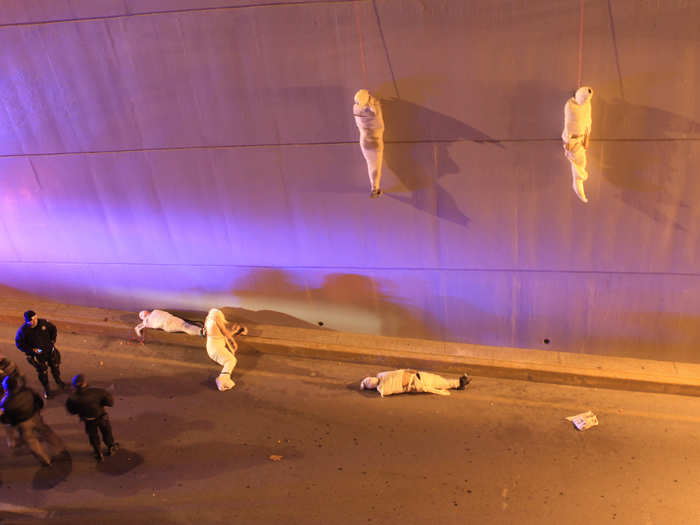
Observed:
{"x":122,"y":462}
{"x":47,"y":478}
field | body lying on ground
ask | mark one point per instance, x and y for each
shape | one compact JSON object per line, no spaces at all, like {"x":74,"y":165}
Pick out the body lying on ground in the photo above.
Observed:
{"x":162,"y":320}
{"x":406,"y":380}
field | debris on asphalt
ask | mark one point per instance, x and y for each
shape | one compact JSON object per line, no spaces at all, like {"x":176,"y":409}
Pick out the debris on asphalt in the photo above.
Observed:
{"x":584,"y":420}
{"x":275,"y":457}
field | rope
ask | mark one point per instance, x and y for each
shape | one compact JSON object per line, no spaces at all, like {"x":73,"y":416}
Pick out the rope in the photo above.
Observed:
{"x":362,"y":45}
{"x":580,"y":46}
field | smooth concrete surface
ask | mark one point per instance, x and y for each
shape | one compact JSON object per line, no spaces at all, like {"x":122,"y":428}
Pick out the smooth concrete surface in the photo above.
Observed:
{"x":297,"y":442}
{"x":191,"y":154}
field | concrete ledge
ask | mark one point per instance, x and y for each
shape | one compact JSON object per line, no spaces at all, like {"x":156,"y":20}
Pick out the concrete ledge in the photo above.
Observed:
{"x":393,"y":352}
{"x":606,"y":372}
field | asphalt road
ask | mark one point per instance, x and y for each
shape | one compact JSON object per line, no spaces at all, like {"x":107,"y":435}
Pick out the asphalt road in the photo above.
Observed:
{"x":499,"y":452}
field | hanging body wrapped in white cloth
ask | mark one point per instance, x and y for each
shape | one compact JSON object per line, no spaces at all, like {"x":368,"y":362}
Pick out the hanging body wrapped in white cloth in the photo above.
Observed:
{"x":576,"y":134}
{"x":368,"y":118}
{"x":221,"y":346}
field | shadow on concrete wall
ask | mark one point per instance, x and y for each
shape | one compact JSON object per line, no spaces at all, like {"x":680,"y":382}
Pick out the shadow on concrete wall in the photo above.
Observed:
{"x":416,"y":149}
{"x":349,"y":303}
{"x":340,"y":295}
{"x":637,"y":167}
{"x":243,"y":316}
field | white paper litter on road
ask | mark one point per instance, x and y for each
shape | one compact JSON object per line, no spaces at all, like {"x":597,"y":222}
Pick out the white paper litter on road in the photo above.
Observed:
{"x":584,"y":420}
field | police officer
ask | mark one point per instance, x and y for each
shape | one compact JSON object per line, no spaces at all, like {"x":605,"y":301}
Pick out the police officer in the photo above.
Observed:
{"x":10,"y":369}
{"x":89,"y":404}
{"x":21,"y":408}
{"x":36,"y":338}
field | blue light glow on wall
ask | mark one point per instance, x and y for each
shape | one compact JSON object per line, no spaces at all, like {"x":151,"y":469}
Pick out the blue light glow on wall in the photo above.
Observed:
{"x":202,"y":158}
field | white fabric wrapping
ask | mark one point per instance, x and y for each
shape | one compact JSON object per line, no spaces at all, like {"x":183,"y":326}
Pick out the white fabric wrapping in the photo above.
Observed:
{"x":432,"y":383}
{"x":370,"y":123}
{"x":161,"y":320}
{"x":391,"y":382}
{"x":220,"y":349}
{"x":577,"y":129}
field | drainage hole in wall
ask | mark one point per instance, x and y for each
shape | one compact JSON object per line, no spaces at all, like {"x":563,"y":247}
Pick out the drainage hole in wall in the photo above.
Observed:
{"x":546,"y":341}
{"x":320,"y":323}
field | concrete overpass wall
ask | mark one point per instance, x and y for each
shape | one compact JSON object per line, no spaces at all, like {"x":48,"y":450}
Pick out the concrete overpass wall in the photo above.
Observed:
{"x":192,"y":153}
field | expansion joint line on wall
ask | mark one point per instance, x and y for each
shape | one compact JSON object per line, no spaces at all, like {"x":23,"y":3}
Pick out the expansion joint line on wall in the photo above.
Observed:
{"x":333,"y":143}
{"x":176,"y":11}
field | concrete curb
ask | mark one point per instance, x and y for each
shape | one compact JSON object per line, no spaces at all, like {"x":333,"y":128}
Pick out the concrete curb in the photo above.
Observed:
{"x":392,"y":352}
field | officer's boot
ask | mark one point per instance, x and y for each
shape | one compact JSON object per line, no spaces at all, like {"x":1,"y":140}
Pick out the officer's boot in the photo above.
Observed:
{"x":56,"y":373}
{"x":98,"y":455}
{"x":47,"y":391}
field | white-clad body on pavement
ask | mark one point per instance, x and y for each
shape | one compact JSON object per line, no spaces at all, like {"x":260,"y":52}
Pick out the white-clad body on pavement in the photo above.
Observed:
{"x":161,"y":320}
{"x":405,"y":380}
{"x":221,"y":346}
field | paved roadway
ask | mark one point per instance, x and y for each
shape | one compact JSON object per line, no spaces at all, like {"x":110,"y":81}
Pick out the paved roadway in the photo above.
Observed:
{"x":499,"y":452}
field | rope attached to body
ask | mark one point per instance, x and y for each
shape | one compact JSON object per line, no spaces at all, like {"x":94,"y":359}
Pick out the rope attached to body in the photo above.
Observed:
{"x":577,"y":125}
{"x":367,"y":113}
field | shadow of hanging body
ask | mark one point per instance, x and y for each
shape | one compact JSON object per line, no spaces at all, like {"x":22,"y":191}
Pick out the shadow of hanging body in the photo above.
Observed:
{"x":633,"y":163}
{"x":416,"y":150}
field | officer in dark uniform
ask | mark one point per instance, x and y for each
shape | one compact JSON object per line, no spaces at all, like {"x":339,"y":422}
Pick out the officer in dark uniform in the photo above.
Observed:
{"x":21,"y":408}
{"x":10,"y":369}
{"x":36,"y":338}
{"x":89,"y":404}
